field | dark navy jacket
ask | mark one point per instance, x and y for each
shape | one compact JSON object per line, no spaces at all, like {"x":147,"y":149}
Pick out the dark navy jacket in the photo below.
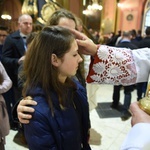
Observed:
{"x":13,"y":50}
{"x":65,"y":130}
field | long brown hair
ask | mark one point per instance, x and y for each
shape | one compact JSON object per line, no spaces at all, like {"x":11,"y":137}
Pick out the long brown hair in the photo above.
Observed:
{"x":54,"y":20}
{"x":38,"y":68}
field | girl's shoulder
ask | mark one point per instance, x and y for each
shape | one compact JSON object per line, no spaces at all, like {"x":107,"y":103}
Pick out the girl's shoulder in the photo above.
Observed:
{"x":79,"y":86}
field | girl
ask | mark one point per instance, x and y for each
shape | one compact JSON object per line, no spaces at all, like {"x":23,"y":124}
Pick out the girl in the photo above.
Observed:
{"x":61,"y":118}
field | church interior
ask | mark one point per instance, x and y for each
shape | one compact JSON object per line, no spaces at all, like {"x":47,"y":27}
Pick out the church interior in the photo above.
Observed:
{"x":112,"y":16}
{"x":99,"y":18}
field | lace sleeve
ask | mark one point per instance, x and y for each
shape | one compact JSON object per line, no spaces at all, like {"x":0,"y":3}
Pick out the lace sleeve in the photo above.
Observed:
{"x":112,"y":66}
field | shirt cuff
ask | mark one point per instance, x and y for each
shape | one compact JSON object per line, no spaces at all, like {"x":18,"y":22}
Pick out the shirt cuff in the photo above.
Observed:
{"x":137,"y":138}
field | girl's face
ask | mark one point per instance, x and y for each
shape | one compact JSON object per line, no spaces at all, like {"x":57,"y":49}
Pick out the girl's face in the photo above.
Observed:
{"x":68,"y":65}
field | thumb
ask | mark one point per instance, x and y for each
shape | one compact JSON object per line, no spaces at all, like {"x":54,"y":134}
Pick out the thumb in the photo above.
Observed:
{"x":135,"y":109}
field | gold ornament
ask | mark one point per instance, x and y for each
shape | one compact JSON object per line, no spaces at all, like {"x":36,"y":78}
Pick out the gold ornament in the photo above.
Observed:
{"x":47,"y":10}
{"x":144,"y":103}
{"x":30,"y":7}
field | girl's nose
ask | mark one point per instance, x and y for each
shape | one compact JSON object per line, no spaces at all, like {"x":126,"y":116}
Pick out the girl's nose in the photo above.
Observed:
{"x":80,"y":59}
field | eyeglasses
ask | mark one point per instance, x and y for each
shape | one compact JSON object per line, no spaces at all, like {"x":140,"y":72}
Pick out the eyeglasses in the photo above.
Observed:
{"x":27,"y":23}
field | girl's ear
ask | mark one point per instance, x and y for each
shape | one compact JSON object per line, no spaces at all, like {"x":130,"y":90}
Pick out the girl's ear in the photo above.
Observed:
{"x":55,"y":60}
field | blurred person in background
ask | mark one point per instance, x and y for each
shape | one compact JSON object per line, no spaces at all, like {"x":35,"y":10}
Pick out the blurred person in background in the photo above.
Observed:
{"x":124,"y":43}
{"x":139,"y":35}
{"x":3,"y":35}
{"x":141,"y":87}
{"x":13,"y":51}
{"x":5,"y":85}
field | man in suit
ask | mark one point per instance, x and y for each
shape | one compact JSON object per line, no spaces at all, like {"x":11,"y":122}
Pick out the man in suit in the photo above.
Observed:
{"x":126,"y":43}
{"x":13,"y":52}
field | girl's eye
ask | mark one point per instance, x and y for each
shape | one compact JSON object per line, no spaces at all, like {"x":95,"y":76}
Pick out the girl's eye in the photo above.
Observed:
{"x":75,"y":55}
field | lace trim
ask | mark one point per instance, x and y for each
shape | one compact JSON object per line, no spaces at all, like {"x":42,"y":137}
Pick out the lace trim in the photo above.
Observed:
{"x":112,"y":66}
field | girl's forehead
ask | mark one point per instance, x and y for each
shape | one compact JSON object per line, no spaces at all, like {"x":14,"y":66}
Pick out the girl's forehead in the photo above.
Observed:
{"x":74,"y":46}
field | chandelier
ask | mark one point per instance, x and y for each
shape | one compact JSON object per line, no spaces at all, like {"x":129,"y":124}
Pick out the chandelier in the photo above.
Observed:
{"x":6,"y":16}
{"x":94,"y":6}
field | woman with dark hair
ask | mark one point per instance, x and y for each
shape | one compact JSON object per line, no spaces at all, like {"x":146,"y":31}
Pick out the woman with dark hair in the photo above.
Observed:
{"x":61,"y":118}
{"x":65,"y":18}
